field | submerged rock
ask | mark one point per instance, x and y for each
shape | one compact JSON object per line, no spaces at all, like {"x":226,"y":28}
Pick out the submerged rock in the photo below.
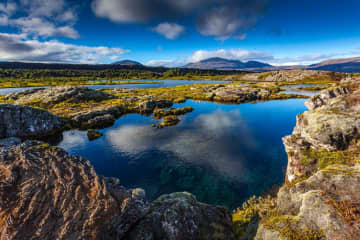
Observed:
{"x":25,"y":122}
{"x":179,"y":216}
{"x":47,"y":194}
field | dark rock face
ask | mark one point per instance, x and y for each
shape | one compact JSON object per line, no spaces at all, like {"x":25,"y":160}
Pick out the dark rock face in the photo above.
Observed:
{"x":179,"y":216}
{"x":19,"y":121}
{"x":47,"y":194}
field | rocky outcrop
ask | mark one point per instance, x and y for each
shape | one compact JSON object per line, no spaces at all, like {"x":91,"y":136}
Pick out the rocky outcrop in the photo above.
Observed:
{"x":160,"y":113}
{"x":17,"y":95}
{"x":180,"y":216}
{"x":293,"y":76}
{"x":148,"y":107}
{"x":25,"y":122}
{"x":98,"y":117}
{"x":236,"y":93}
{"x":320,"y":199}
{"x":46,"y":193}
{"x":331,"y":124}
{"x":328,"y":202}
{"x":56,"y":95}
{"x":325,"y":96}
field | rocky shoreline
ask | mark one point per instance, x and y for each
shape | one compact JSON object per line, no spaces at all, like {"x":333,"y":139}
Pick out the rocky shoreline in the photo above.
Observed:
{"x":45,"y":193}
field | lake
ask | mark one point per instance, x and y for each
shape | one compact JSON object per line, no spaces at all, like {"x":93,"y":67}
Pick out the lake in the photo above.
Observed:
{"x":222,"y":153}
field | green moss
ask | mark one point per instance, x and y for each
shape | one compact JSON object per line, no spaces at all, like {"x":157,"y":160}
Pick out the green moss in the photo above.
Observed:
{"x":93,"y":134}
{"x":325,"y":158}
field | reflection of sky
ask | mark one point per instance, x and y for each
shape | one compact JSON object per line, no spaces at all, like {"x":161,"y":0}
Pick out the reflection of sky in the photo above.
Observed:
{"x":208,"y":142}
{"x":73,"y":139}
{"x":231,"y":150}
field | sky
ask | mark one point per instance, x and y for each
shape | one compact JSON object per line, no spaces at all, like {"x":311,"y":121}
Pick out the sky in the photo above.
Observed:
{"x":176,"y":32}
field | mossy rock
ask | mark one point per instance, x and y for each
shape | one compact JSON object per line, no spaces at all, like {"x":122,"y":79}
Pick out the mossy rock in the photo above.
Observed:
{"x":93,"y":134}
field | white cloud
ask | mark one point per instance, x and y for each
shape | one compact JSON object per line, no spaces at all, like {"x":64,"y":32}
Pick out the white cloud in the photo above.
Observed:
{"x":218,"y":18}
{"x":17,"y":47}
{"x":40,"y":27}
{"x":231,"y":54}
{"x":169,"y":30}
{"x":8,"y":8}
{"x":165,"y":63}
{"x":45,"y":18}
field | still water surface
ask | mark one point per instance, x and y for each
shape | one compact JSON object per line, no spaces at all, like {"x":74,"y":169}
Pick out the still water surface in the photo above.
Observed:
{"x":221,"y":153}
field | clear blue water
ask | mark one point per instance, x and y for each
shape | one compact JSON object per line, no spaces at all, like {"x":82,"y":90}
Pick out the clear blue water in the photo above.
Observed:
{"x":223,"y":154}
{"x":163,"y":83}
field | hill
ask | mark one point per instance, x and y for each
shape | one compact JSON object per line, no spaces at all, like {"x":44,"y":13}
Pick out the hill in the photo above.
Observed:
{"x":222,"y":63}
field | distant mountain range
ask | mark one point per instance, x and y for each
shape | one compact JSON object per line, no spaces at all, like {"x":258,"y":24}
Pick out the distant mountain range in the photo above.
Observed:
{"x":222,"y":64}
{"x":338,"y":65}
{"x":335,"y":65}
{"x":216,"y":65}
{"x":127,"y":63}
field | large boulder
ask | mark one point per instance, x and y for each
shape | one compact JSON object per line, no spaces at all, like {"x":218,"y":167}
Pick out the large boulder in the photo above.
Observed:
{"x":179,"y":216}
{"x":23,"y":122}
{"x":47,"y":194}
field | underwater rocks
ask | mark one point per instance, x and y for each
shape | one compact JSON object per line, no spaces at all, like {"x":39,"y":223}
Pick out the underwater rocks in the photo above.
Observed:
{"x":179,"y":216}
{"x":25,"y":122}
{"x":55,"y":95}
{"x":45,"y":193}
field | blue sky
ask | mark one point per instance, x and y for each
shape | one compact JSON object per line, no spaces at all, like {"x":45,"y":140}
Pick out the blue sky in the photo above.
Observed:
{"x":175,"y":32}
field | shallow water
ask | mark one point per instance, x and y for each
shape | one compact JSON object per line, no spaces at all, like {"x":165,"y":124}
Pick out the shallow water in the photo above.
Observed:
{"x":223,"y":154}
{"x":163,"y":83}
{"x":292,"y":90}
